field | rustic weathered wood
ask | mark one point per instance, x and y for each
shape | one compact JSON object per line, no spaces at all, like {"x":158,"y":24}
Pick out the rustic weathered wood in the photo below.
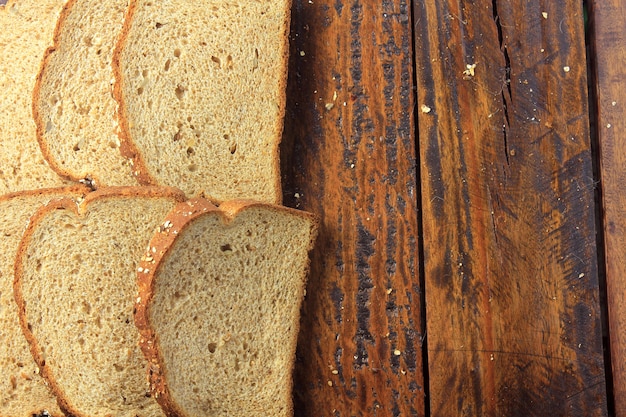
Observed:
{"x":513,"y":316}
{"x":349,"y":156}
{"x":608,"y":46}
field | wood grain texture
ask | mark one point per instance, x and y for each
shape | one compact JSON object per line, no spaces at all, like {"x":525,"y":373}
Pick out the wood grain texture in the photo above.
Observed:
{"x":608,"y":46}
{"x":349,"y":156}
{"x":513,"y":314}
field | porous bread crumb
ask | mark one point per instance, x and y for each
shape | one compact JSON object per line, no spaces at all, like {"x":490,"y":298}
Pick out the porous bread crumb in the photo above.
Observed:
{"x":172,"y":83}
{"x":73,"y":108}
{"x":86,"y":325}
{"x":21,"y":386}
{"x":252,"y":263}
{"x":26,"y":29}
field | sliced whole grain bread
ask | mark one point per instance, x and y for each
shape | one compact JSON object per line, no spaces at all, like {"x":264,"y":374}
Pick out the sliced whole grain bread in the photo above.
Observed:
{"x":73,"y":103}
{"x":201,"y":87}
{"x":218,"y":308}
{"x":23,"y":392}
{"x":26,"y":28}
{"x":75,"y":286}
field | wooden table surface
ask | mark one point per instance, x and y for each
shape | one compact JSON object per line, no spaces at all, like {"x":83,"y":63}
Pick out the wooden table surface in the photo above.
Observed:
{"x":465,"y":159}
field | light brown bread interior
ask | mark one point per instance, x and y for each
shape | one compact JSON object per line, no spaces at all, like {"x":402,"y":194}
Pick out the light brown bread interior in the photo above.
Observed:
{"x":26,"y":28}
{"x":23,"y":391}
{"x":201,"y":87}
{"x":218,"y":310}
{"x":73,"y":103}
{"x":75,"y":286}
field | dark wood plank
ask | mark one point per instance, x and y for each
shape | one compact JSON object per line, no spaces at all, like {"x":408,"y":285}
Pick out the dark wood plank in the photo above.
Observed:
{"x":608,"y":45}
{"x":513,"y":316}
{"x":349,"y":156}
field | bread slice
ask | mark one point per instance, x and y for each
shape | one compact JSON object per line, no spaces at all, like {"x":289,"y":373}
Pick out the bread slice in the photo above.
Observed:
{"x":73,"y":103}
{"x":201,"y":87}
{"x":23,"y":392}
{"x":26,"y":28}
{"x":218,"y":307}
{"x":75,"y":287}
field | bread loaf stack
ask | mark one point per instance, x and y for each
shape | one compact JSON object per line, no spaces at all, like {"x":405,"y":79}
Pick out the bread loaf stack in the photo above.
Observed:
{"x":146,"y":267}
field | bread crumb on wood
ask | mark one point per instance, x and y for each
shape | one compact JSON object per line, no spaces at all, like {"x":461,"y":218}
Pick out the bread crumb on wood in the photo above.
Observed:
{"x":470,"y":70}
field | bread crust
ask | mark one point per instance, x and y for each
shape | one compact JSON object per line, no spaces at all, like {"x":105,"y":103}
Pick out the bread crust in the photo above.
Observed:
{"x":127,"y":147}
{"x":130,"y":150}
{"x":72,"y":189}
{"x":283,"y":97}
{"x":177,"y":220}
{"x":79,"y":210}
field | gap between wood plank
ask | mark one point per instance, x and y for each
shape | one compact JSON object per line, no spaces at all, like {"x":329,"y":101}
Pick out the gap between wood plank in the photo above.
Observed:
{"x":420,"y":223}
{"x":593,"y":95}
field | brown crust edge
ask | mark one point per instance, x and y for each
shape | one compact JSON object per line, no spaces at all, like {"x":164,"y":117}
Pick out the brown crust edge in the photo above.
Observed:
{"x":72,"y":189}
{"x":133,"y":191}
{"x":36,"y":98}
{"x":128,"y":148}
{"x":78,"y":208}
{"x":160,"y":245}
{"x":280,"y":121}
